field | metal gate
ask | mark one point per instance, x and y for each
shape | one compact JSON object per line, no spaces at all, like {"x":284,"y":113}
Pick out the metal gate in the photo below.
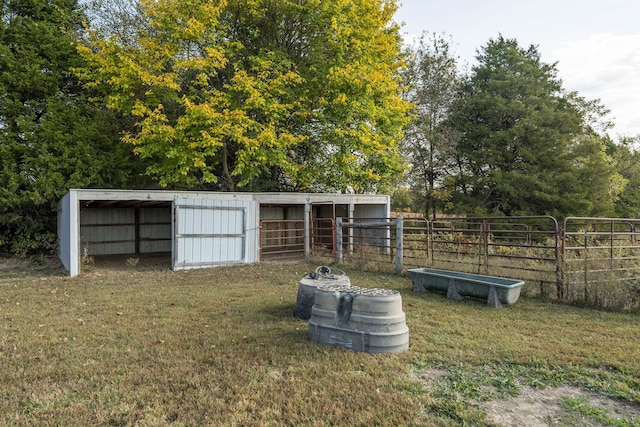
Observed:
{"x":212,"y":232}
{"x":282,"y":239}
{"x":323,"y":227}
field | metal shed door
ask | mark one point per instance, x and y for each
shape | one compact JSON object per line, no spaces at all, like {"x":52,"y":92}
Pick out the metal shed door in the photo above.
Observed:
{"x":208,"y":233}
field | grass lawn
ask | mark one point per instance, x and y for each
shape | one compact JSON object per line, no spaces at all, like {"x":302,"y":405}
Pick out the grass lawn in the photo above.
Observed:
{"x":220,"y":347}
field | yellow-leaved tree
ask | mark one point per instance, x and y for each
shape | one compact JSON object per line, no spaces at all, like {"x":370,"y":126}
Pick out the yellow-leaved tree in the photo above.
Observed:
{"x":259,"y":94}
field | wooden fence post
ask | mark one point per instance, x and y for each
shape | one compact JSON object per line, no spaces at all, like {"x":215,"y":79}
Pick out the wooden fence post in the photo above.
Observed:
{"x":399,"y":244}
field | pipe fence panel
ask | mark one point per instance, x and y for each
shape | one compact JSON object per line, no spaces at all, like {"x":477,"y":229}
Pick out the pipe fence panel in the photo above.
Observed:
{"x":281,"y":239}
{"x":367,"y":243}
{"x":590,"y":260}
{"x":415,"y":234}
{"x":323,"y":233}
{"x":601,"y":260}
{"x":524,"y":247}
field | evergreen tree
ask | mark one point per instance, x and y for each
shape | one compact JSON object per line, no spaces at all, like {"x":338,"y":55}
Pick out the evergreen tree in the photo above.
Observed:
{"x":527,"y":147}
{"x":627,"y":158}
{"x":51,"y":138}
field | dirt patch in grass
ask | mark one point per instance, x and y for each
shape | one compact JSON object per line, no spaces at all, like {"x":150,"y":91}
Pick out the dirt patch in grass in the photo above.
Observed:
{"x":6,"y":263}
{"x":543,"y":407}
{"x":140,"y":262}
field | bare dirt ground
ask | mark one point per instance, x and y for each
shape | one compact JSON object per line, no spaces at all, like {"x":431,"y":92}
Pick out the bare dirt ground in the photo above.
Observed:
{"x":154,"y":261}
{"x":535,"y":407}
{"x":25,"y":263}
{"x":157,"y":261}
{"x":541,"y":407}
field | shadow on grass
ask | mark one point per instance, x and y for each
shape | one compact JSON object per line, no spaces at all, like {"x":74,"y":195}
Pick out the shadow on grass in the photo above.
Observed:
{"x":280,"y":311}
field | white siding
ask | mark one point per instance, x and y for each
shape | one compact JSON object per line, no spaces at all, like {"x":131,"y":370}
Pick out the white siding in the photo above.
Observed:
{"x":224,"y":243}
{"x":214,"y":232}
{"x":69,"y":232}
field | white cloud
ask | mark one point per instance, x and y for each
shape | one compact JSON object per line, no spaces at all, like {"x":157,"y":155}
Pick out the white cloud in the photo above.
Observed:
{"x":605,"y":66}
{"x":596,"y":43}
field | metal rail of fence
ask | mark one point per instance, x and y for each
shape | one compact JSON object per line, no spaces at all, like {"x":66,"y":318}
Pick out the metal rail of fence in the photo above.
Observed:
{"x":523,"y":247}
{"x":587,"y":259}
{"x":415,"y":233}
{"x":285,"y":239}
{"x":381,"y":239}
{"x":323,"y":232}
{"x":597,"y":251}
{"x":520,"y":247}
{"x":560,"y":261}
{"x":281,"y":239}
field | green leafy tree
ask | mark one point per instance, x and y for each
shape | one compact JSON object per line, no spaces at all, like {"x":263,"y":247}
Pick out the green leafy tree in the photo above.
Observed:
{"x":526,"y":147}
{"x":432,"y":76}
{"x":627,"y":158}
{"x":51,"y":138}
{"x":401,"y":200}
{"x":263,"y":95}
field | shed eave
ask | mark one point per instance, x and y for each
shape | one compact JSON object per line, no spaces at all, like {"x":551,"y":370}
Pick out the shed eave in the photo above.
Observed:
{"x":276,"y":198}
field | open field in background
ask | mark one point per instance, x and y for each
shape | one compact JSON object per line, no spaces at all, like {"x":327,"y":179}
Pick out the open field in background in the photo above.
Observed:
{"x":221,"y":347}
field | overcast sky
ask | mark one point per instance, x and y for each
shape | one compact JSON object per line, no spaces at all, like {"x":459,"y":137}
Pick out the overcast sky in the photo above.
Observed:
{"x":596,"y":43}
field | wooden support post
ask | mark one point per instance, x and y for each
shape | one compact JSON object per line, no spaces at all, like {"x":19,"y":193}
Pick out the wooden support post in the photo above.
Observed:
{"x":399,"y":244}
{"x":307,"y":231}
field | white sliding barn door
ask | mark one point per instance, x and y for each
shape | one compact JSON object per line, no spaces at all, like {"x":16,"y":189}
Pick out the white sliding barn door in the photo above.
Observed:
{"x":209,"y":233}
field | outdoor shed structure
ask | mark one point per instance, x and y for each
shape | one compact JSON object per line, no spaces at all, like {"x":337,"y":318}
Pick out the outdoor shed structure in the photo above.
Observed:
{"x":199,"y":229}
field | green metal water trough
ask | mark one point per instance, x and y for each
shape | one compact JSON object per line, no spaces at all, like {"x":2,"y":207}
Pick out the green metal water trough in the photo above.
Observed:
{"x":498,"y":291}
